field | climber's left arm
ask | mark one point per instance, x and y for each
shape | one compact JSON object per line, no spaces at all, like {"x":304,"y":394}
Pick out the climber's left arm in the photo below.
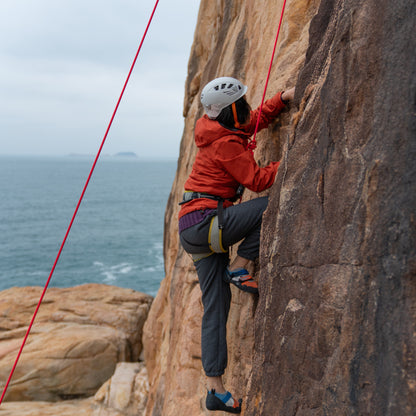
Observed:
{"x":271,"y":109}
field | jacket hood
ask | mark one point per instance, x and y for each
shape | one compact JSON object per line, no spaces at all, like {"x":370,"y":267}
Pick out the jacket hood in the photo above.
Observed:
{"x":208,"y":131}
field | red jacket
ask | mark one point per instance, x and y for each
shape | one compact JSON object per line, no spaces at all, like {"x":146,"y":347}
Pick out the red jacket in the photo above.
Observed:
{"x":223,"y":160}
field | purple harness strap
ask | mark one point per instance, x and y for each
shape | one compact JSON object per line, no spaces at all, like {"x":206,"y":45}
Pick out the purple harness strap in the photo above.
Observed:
{"x":193,"y":218}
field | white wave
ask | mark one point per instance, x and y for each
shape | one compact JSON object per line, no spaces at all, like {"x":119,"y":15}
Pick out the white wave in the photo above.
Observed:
{"x":158,"y":246}
{"x":37,"y":273}
{"x":112,"y":272}
{"x":109,"y":277}
{"x":126,"y":269}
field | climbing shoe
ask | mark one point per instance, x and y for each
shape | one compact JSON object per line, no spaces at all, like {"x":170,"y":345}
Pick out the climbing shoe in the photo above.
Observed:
{"x":224,"y":402}
{"x":242,"y":280}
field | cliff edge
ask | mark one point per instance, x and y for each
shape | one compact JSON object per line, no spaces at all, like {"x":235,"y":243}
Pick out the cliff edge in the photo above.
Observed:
{"x":333,"y":329}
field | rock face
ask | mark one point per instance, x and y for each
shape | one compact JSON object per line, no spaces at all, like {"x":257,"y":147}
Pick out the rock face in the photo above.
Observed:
{"x":78,"y":337}
{"x":332,"y":331}
{"x":339,"y":237}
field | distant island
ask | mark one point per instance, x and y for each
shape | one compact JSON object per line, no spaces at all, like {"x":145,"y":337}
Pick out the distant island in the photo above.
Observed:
{"x":126,"y":154}
{"x":131,"y":155}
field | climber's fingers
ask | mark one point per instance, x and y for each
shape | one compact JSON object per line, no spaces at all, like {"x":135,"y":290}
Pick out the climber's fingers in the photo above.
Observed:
{"x":289,"y":94}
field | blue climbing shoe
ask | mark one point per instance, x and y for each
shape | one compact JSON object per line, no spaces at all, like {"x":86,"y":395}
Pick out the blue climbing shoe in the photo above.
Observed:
{"x":227,"y":404}
{"x":242,"y":279}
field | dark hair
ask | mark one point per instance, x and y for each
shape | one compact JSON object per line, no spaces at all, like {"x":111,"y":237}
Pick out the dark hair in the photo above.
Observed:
{"x":226,"y":117}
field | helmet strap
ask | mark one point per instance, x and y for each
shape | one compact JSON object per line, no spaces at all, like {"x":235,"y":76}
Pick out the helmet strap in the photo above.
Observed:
{"x":236,"y":123}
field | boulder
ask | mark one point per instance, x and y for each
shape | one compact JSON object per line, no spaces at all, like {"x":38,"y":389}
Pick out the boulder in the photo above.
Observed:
{"x":78,"y":337}
{"x":125,"y":393}
{"x":84,"y":407}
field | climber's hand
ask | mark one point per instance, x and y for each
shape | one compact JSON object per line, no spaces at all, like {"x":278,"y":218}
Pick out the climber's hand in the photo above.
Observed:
{"x":289,"y":94}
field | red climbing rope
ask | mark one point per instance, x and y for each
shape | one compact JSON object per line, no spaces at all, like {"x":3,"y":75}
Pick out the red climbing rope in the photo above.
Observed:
{"x":252,"y":143}
{"x":78,"y":205}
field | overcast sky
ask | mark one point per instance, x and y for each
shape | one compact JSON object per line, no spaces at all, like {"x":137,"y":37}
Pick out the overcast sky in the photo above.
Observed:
{"x":63,"y":64}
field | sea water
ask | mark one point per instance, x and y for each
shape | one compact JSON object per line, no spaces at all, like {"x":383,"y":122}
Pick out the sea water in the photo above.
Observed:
{"x":116,"y":237}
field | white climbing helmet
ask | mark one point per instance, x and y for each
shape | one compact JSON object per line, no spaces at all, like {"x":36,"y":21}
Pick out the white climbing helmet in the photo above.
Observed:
{"x":220,"y":93}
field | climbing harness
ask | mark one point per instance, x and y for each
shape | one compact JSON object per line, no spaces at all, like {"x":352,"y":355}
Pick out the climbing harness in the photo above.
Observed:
{"x":217,"y":221}
{"x":216,"y":225}
{"x":78,"y":205}
{"x":190,"y":195}
{"x":252,"y":144}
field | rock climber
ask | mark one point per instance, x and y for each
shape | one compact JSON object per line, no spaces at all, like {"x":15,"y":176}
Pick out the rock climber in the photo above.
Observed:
{"x":209,"y":222}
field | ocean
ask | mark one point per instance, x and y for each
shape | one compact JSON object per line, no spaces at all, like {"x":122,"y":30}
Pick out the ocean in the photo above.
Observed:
{"x":116,"y":238}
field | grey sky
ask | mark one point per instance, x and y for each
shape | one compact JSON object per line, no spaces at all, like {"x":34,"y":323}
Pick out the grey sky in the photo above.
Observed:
{"x":63,"y":64}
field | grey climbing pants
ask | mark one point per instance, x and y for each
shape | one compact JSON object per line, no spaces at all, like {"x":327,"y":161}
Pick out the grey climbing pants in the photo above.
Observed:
{"x":241,"y":222}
